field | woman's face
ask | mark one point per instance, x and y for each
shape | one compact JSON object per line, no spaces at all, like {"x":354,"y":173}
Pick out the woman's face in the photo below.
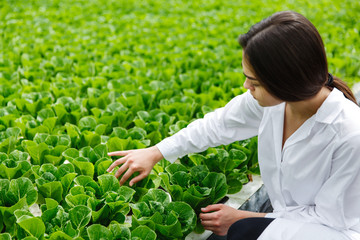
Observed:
{"x":264,"y":98}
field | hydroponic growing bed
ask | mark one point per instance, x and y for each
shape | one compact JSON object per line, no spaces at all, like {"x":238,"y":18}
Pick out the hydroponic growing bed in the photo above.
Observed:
{"x":79,"y":79}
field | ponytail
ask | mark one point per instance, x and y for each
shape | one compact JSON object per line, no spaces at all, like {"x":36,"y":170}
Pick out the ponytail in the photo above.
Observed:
{"x":341,"y":85}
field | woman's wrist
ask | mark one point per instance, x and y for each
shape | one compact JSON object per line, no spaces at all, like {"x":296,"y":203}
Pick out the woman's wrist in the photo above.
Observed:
{"x":258,"y":214}
{"x":248,"y":214}
{"x":157,"y":154}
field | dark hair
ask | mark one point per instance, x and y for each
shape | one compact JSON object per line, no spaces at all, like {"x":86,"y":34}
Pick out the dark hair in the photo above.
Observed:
{"x":288,"y":57}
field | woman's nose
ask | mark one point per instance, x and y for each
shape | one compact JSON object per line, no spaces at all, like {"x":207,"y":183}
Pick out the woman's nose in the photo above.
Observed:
{"x":248,"y":85}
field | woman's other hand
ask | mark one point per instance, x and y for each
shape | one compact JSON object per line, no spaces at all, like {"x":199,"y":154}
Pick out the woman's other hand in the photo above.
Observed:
{"x":139,"y":160}
{"x":219,"y":217}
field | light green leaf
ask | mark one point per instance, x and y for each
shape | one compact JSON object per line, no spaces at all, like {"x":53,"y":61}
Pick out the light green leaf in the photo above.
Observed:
{"x":175,"y":167}
{"x":70,"y":154}
{"x":144,"y":233}
{"x":120,"y":231}
{"x":19,"y":188}
{"x":102,"y":165}
{"x":117,"y":144}
{"x":88,"y":138}
{"x":67,"y":181}
{"x":87,"y":123}
{"x":13,"y":132}
{"x":77,"y":200}
{"x":100,"y":150}
{"x":80,"y":216}
{"x":108,"y":183}
{"x":45,"y":114}
{"x":125,"y":193}
{"x":101,"y":129}
{"x":50,"y":123}
{"x":99,"y":232}
{"x":157,"y":195}
{"x":5,"y":236}
{"x":52,"y":190}
{"x":18,"y":155}
{"x":37,"y":153}
{"x":83,"y":167}
{"x":197,"y":159}
{"x":60,"y":236}
{"x":32,"y":225}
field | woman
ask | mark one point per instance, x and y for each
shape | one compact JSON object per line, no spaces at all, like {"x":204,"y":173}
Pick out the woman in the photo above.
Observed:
{"x":308,"y":134}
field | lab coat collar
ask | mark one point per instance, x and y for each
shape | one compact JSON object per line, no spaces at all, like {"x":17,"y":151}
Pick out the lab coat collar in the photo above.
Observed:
{"x":330,"y":108}
{"x":301,"y":133}
{"x":327,"y":113}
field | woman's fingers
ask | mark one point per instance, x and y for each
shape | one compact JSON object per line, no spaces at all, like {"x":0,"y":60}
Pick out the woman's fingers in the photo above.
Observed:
{"x":215,"y":226}
{"x":139,"y":160}
{"x":214,"y":229}
{"x":219,"y":217}
{"x":212,"y":208}
{"x":122,"y":169}
{"x":208,"y":216}
{"x":116,"y":163}
{"x":126,"y":176}
{"x":211,"y":212}
{"x":210,"y":228}
{"x":118,"y":153}
{"x":207,"y":224}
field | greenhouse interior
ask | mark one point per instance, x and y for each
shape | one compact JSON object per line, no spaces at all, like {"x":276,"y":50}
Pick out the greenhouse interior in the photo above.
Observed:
{"x":86,"y":86}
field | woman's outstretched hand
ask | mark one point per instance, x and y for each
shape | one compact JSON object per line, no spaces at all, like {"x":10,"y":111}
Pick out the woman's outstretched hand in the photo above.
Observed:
{"x":219,"y":217}
{"x":139,"y":160}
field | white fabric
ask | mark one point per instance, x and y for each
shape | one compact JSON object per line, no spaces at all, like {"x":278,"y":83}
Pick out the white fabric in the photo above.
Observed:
{"x":300,"y":231}
{"x":312,"y":182}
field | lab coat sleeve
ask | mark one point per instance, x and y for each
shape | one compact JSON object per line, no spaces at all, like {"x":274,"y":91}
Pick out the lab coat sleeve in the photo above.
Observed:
{"x":238,"y":120}
{"x":337,"y":203}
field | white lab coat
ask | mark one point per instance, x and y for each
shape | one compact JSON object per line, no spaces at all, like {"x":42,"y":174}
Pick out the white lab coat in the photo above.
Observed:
{"x":313,"y":182}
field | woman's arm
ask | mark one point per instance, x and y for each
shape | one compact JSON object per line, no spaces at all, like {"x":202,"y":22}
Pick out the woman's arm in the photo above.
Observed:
{"x":238,"y":120}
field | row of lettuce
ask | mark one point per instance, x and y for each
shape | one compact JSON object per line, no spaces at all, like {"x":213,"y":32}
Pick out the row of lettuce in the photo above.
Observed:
{"x":62,"y":169}
{"x":79,"y":79}
{"x":55,"y":135}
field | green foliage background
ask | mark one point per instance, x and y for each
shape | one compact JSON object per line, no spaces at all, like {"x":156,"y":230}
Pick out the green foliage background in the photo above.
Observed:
{"x":156,"y":40}
{"x":76,"y":75}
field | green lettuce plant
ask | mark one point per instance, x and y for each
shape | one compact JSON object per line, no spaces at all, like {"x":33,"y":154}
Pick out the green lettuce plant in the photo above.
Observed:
{"x":16,"y":194}
{"x":197,"y":186}
{"x":54,"y":182}
{"x":14,"y":165}
{"x":170,"y":220}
